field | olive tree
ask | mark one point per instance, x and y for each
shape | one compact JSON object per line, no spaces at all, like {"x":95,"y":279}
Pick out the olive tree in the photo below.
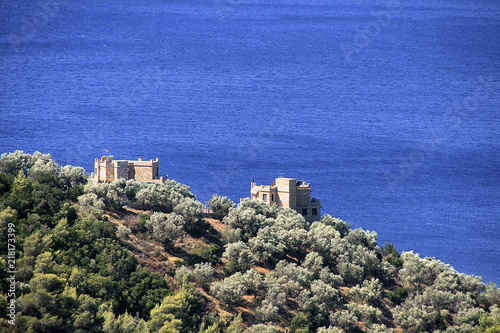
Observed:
{"x":289,"y":278}
{"x":370,"y":292}
{"x":245,"y":221}
{"x":166,"y":229}
{"x":325,"y":294}
{"x":203,"y":274}
{"x":320,"y":297}
{"x":73,"y":176}
{"x":325,"y":240}
{"x":11,"y":163}
{"x":490,"y":296}
{"x":239,"y":253}
{"x":451,"y":280}
{"x":266,"y":246}
{"x":344,"y":319}
{"x":249,"y":217}
{"x":314,"y":263}
{"x":123,"y":231}
{"x":425,"y":311}
{"x":350,"y":273}
{"x":328,"y":277}
{"x":357,"y":263}
{"x":263,"y":328}
{"x":275,"y":295}
{"x":365,"y":313}
{"x":91,"y":204}
{"x":380,"y":328}
{"x":267,"y":312}
{"x":190,"y":209}
{"x":417,"y":271}
{"x":290,"y":228}
{"x":220,"y":206}
{"x":230,"y":290}
{"x":157,"y":197}
{"x":365,"y":238}
{"x":342,"y":227}
{"x":132,"y":187}
{"x":184,"y":273}
{"x":330,"y":329}
{"x":110,"y":193}
{"x":33,"y":165}
{"x":253,"y":282}
{"x":160,"y":196}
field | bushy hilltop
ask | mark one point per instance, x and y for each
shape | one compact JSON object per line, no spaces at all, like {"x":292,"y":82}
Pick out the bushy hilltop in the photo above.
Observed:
{"x":134,"y":257}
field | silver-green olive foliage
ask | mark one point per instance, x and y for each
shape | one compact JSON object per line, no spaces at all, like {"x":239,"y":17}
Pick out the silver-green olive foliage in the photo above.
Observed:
{"x":220,"y":206}
{"x":33,"y":165}
{"x":166,"y":228}
{"x":239,"y":252}
{"x":190,"y":209}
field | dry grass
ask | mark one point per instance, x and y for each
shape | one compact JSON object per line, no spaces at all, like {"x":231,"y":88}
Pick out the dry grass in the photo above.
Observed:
{"x":261,"y":269}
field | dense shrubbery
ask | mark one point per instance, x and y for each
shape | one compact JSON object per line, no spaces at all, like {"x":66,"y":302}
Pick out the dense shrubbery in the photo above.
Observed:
{"x":75,"y":274}
{"x":310,"y":262}
{"x":220,"y":206}
{"x":165,"y":197}
{"x":168,"y":197}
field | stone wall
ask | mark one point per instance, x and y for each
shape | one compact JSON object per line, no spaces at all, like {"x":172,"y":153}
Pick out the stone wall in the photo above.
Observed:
{"x":121,"y":169}
{"x":288,"y":192}
{"x":106,"y":170}
{"x":143,"y":173}
{"x":303,"y":195}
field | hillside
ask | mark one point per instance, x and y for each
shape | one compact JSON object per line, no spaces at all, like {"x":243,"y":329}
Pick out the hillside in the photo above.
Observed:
{"x":134,"y":257}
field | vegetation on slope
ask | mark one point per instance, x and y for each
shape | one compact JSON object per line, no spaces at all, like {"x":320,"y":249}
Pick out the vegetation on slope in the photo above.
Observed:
{"x":133,"y":257}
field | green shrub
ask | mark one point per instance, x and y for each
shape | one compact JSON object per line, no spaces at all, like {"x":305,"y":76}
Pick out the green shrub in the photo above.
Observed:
{"x":208,"y":253}
{"x":397,"y":296}
{"x":141,"y":225}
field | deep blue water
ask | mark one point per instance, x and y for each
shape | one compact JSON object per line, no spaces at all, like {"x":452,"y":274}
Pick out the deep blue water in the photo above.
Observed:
{"x":394,"y":118}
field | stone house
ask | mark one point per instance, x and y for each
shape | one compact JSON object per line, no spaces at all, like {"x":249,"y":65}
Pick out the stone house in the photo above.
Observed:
{"x":288,"y":192}
{"x":107,"y":169}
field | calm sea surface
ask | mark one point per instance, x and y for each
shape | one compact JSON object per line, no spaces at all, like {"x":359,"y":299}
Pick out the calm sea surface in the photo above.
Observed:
{"x":390,"y":109}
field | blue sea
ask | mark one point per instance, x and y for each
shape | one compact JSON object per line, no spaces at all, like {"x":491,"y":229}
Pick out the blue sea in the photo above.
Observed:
{"x":390,"y":109}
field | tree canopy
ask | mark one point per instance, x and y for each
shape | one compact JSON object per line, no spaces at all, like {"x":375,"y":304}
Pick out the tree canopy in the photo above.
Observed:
{"x":81,"y":266}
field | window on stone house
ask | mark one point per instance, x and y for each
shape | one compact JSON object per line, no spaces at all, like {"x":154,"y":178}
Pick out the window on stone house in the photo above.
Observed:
{"x":304,"y":211}
{"x":314,"y":211}
{"x":264,"y":197}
